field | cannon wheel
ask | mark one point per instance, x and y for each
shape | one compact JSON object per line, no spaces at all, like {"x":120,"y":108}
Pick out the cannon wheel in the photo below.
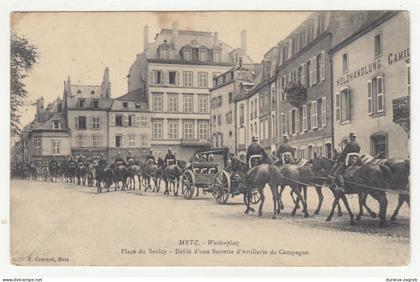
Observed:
{"x":221,"y":187}
{"x":188,"y":184}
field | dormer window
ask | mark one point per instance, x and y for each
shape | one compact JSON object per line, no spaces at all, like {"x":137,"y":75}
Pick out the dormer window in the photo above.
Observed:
{"x":137,"y":106}
{"x":164,"y":52}
{"x":217,"y":56}
{"x":95,"y":103}
{"x":125,"y":105}
{"x":56,"y":124}
{"x":92,"y":92}
{"x":187,"y":53}
{"x":202,"y":54}
{"x":81,"y":103}
{"x":79,"y":91}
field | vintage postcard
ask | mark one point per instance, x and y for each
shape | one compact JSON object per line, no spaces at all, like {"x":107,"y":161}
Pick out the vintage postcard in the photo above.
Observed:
{"x":241,"y":138}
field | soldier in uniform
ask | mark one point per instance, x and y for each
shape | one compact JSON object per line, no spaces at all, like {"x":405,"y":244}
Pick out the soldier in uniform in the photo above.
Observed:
{"x":340,"y":166}
{"x":118,"y":159}
{"x":150,"y":156}
{"x":130,"y":158}
{"x":169,"y":157}
{"x":255,"y":149}
{"x":102,"y":161}
{"x":285,"y":147}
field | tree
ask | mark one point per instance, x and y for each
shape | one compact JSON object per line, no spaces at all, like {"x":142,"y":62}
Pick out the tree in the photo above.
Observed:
{"x":23,"y":55}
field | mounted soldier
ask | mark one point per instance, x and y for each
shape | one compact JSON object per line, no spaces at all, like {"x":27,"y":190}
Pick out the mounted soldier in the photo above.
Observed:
{"x":119,"y":160}
{"x":344,"y":159}
{"x":169,"y":158}
{"x":150,"y":156}
{"x":285,"y":152}
{"x":255,"y":154}
{"x":130,"y":159}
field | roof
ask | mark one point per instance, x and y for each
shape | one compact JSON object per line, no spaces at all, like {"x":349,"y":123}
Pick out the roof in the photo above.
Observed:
{"x":138,"y":95}
{"x":104,"y":104}
{"x":49,"y":124}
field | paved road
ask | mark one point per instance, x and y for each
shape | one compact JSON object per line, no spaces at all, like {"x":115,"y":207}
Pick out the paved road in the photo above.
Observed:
{"x":64,"y":224}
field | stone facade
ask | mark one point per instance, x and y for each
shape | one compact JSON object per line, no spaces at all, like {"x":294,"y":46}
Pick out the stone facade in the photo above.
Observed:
{"x":371,"y":69}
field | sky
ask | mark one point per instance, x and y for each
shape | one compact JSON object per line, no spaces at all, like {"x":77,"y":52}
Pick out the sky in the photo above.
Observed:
{"x":82,"y":44}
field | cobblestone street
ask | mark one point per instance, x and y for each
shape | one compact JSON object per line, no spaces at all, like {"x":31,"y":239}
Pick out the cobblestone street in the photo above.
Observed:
{"x":65,"y":224}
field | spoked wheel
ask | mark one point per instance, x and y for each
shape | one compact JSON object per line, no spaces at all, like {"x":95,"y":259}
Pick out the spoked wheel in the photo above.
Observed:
{"x":221,"y":187}
{"x":188,"y":184}
{"x":254,"y":196}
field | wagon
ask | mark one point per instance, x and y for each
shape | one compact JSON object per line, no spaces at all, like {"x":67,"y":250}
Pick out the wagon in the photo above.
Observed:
{"x":214,"y":177}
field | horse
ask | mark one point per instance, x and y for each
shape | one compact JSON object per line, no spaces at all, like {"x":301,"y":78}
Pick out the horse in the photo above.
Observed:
{"x":134,"y":170}
{"x":105,"y":175}
{"x":362,"y":180}
{"x":172,"y":176}
{"x":81,"y":173}
{"x":121,"y":174}
{"x":152,"y":171}
{"x":255,"y":178}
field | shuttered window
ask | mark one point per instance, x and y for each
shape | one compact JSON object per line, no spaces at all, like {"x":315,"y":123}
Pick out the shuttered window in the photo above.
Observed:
{"x":304,"y":118}
{"x":290,"y":123}
{"x":370,"y":100}
{"x":337,"y":107}
{"x":314,"y":115}
{"x":380,"y":95}
{"x":324,"y":112}
{"x":322,"y":66}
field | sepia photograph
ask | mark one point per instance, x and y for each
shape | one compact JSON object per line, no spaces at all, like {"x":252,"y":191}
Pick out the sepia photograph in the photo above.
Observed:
{"x":210,"y":138}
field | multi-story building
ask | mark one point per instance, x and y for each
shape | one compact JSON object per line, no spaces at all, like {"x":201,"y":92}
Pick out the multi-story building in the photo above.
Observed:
{"x":371,"y":76}
{"x":226,"y":88}
{"x":86,"y":110}
{"x":129,"y":125}
{"x":48,"y":135}
{"x":304,"y":74}
{"x":176,"y":70}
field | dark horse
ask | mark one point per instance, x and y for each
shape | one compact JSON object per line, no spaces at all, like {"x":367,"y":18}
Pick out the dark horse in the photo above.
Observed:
{"x":360,"y":180}
{"x":255,"y":178}
{"x":121,"y":174}
{"x":134,"y":170}
{"x":172,"y":177}
{"x":152,"y":171}
{"x":106,"y":175}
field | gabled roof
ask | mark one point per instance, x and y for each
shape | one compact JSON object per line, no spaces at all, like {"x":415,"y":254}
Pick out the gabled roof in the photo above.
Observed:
{"x":138,"y":95}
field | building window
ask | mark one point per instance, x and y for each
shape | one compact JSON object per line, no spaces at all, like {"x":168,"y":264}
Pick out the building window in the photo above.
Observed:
{"x":143,"y":140}
{"x":131,"y":120}
{"x":131,"y":140}
{"x":80,"y":140}
{"x":308,"y":74}
{"x":137,"y":105}
{"x":157,"y":129}
{"x":172,"y":103}
{"x":378,"y":45}
{"x":56,"y":124}
{"x":242,"y":114}
{"x":252,"y":111}
{"x":187,"y":54}
{"x":203,"y":80}
{"x":256,"y":109}
{"x":188,"y":130}
{"x":172,"y":77}
{"x":37,"y":147}
{"x":217,"y":56}
{"x":304,"y":118}
{"x":202,"y":54}
{"x":56,"y":146}
{"x":230,"y":97}
{"x":80,"y":122}
{"x":143,"y":122}
{"x":118,"y":141}
{"x":324,"y":111}
{"x":188,"y":103}
{"x":283,"y":123}
{"x":173,"y":129}
{"x":379,"y":145}
{"x":219,"y":119}
{"x":96,"y":140}
{"x":157,"y":77}
{"x":214,"y":121}
{"x":95,"y":123}
{"x":164,"y":53}
{"x":188,"y":78}
{"x":203,"y":102}
{"x":119,"y":120}
{"x":318,"y":69}
{"x":229,"y":117}
{"x":125,"y":105}
{"x":82,"y":103}
{"x":95,"y":104}
{"x":342,"y":106}
{"x":376,"y":95}
{"x":157,"y":103}
{"x":328,"y":150}
{"x":345,"y":62}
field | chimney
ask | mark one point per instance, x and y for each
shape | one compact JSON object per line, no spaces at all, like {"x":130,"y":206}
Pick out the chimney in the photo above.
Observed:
{"x":215,"y":38}
{"x":106,"y":85}
{"x":175,"y":29}
{"x":243,"y":41}
{"x":145,"y":37}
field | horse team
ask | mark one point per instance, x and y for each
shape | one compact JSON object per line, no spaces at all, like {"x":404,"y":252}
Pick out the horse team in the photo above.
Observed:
{"x":374,"y":179}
